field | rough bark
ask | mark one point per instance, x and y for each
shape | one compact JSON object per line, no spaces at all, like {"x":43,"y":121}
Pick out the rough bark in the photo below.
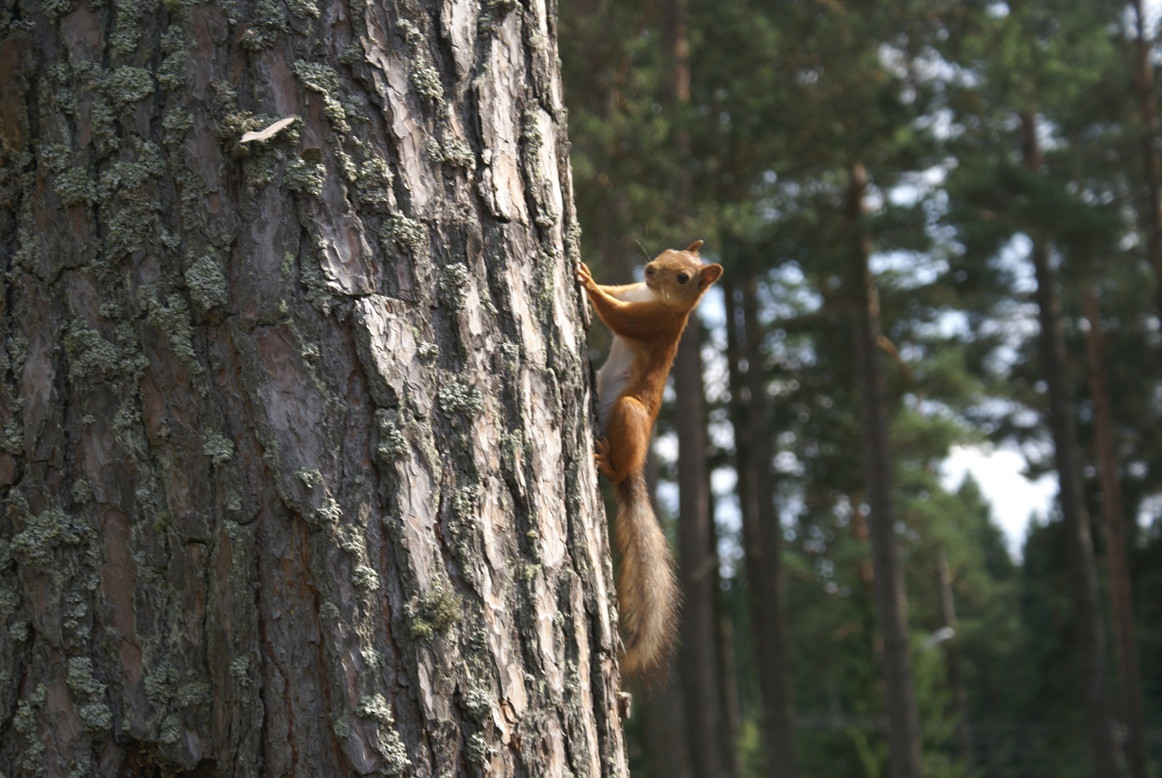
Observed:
{"x":295,"y":455}
{"x":1091,"y":649}
{"x":890,"y":602}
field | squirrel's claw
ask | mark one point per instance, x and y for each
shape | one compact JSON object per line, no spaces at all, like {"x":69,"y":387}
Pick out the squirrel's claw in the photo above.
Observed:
{"x":584,"y":275}
{"x":601,"y":457}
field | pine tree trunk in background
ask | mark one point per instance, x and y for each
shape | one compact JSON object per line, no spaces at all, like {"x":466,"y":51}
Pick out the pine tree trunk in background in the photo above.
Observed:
{"x":890,"y":602}
{"x":952,"y":652}
{"x":296,"y":463}
{"x":1151,"y":158}
{"x":1091,"y":652}
{"x":697,"y":643}
{"x":761,"y":529}
{"x":1113,"y":520}
{"x":697,"y":637}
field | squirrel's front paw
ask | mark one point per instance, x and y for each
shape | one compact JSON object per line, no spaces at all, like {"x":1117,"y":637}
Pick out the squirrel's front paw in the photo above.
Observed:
{"x":584,"y":275}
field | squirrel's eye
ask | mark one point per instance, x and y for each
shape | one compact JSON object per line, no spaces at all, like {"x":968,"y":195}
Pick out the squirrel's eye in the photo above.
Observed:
{"x":683,"y":278}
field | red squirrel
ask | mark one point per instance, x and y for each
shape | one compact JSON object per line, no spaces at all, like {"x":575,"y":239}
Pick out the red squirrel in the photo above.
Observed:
{"x":647,"y":321}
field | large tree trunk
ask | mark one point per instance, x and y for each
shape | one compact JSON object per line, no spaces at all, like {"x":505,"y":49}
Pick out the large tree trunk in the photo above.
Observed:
{"x":890,"y":602}
{"x":295,"y":461}
{"x":1091,"y":652}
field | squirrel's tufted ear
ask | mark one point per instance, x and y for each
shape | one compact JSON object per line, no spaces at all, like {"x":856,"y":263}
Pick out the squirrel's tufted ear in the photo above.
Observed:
{"x":693,"y":247}
{"x":710,"y":274}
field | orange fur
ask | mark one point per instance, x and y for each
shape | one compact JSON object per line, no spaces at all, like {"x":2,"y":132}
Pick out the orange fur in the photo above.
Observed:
{"x":647,"y":321}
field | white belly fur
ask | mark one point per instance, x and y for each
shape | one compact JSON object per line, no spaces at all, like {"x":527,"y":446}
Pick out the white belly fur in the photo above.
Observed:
{"x":615,"y":373}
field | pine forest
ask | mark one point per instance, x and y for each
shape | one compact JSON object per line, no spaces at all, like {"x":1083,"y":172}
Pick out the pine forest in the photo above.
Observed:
{"x":941,"y":224}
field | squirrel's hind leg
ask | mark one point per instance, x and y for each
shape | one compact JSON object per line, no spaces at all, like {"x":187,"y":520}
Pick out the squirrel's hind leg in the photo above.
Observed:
{"x":623,"y":449}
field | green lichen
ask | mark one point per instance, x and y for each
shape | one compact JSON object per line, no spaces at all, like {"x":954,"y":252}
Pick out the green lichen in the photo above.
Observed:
{"x":466,"y":502}
{"x":89,"y":354}
{"x":435,"y":613}
{"x":171,"y":74}
{"x":324,"y":80}
{"x":310,"y":476}
{"x":129,"y":227}
{"x":240,"y":671}
{"x":394,"y":753}
{"x":98,"y":717}
{"x":132,"y":175}
{"x":479,"y":749}
{"x":268,"y":23}
{"x":478,"y":704}
{"x":450,"y":151}
{"x":82,"y":491}
{"x":330,"y":512}
{"x":304,"y":176}
{"x":403,"y":232}
{"x":460,"y":401}
{"x":219,"y":448}
{"x":173,"y":319}
{"x":454,"y":279}
{"x":303,"y":9}
{"x":392,"y":445}
{"x":43,"y":533}
{"x":80,"y":678}
{"x":373,"y":183}
{"x":426,"y":81}
{"x":376,"y":707}
{"x":28,"y":711}
{"x":103,"y":122}
{"x":365,"y":577}
{"x":207,"y":283}
{"x":74,"y":187}
{"x":531,"y":134}
{"x":128,"y":84}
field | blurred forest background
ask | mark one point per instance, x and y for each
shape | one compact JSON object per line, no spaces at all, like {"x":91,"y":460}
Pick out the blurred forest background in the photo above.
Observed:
{"x":941,"y":224}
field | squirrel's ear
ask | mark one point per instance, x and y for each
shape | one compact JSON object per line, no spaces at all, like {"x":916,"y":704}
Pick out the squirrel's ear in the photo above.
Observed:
{"x":693,"y":247}
{"x":710,"y":274}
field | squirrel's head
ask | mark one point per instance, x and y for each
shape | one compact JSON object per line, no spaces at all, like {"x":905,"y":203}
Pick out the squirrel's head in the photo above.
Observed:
{"x":680,"y":277}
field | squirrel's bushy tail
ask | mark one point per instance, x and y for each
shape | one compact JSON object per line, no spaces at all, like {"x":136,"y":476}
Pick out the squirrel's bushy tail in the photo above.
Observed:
{"x":646,"y":585}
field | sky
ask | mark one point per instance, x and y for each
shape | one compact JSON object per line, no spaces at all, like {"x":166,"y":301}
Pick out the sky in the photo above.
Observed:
{"x":1014,"y":498}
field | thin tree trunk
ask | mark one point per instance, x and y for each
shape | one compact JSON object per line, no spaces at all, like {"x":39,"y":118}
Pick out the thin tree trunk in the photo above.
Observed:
{"x":729,"y":720}
{"x":1083,"y":570}
{"x":1151,"y":163}
{"x":766,"y":575}
{"x":698,"y":654}
{"x":891,"y":605}
{"x":666,"y":749}
{"x":296,"y":467}
{"x":699,"y":662}
{"x":1113,"y":520}
{"x":952,"y":651}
